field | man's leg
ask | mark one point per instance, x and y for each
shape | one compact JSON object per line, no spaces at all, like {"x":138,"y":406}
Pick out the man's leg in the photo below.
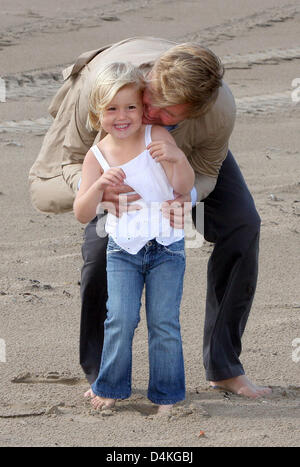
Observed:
{"x":93,"y":298}
{"x":233,"y":224}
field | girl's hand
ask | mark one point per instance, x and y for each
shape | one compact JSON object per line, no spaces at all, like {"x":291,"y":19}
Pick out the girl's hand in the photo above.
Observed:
{"x":165,"y":151}
{"x":112,"y":177}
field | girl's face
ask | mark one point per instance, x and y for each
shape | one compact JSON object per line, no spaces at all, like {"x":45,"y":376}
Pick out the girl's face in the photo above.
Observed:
{"x":123,"y":116}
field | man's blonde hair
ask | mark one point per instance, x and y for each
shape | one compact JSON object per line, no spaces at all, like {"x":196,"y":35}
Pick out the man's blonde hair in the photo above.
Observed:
{"x":108,"y":83}
{"x":187,"y":74}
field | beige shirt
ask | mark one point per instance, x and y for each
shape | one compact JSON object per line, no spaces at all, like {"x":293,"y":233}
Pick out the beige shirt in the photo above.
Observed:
{"x":204,"y":140}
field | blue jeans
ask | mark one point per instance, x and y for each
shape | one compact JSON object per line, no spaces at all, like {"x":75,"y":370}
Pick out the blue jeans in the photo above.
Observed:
{"x":161,"y":269}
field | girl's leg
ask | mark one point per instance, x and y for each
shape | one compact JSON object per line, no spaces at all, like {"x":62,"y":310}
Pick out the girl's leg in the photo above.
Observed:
{"x":164,"y":285}
{"x":125,"y":285}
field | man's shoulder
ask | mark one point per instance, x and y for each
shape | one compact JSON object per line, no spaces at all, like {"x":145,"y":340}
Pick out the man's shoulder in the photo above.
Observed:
{"x":144,"y":42}
{"x":211,"y":129}
{"x":140,"y":48}
{"x":225,"y":102}
{"x":220,"y":117}
{"x":138,"y":51}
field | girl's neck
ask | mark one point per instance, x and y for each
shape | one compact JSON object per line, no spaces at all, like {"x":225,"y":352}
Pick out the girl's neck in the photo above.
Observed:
{"x":120,"y":151}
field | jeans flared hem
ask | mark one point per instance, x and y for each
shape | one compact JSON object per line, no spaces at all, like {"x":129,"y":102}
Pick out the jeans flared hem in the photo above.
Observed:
{"x":111,"y":395}
{"x":166,"y":401}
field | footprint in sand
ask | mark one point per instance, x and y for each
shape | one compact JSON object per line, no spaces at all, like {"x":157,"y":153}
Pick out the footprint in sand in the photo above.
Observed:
{"x":48,"y":378}
{"x":110,"y":18}
{"x":20,"y":410}
{"x":290,"y":392}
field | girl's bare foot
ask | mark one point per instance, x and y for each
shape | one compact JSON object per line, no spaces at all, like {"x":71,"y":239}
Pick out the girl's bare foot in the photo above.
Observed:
{"x":164,"y":409}
{"x":100,"y":403}
{"x":242,"y":386}
{"x":90,"y":394}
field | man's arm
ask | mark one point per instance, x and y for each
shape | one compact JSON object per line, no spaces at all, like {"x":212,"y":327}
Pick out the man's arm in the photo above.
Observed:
{"x":48,"y":188}
{"x":204,"y":185}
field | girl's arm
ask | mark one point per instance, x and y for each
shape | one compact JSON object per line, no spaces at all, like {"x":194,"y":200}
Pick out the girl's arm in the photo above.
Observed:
{"x":93,"y":183}
{"x":178,"y":169}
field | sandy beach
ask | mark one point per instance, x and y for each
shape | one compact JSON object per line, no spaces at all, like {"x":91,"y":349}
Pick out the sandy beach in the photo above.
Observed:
{"x":41,"y":381}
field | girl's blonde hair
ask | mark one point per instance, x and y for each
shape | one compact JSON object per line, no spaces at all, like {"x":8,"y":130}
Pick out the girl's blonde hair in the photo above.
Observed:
{"x":187,"y":74}
{"x":108,"y":83}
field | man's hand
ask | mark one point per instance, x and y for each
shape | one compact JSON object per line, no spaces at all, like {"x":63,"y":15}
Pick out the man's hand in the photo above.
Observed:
{"x":116,"y":200}
{"x":175,"y":210}
{"x":165,"y":151}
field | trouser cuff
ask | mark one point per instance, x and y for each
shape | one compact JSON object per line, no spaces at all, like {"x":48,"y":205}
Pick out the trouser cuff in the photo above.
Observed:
{"x":225,"y":373}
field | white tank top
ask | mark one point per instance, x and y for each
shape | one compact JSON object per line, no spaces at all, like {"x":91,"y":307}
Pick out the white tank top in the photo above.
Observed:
{"x":134,"y":229}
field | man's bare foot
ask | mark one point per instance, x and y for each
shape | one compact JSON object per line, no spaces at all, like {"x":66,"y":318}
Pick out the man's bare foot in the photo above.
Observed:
{"x":242,"y":386}
{"x":100,"y":403}
{"x":164,"y":409}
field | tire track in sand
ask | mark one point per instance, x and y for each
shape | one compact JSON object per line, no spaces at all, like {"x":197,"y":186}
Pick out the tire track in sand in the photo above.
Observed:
{"x":238,"y":27}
